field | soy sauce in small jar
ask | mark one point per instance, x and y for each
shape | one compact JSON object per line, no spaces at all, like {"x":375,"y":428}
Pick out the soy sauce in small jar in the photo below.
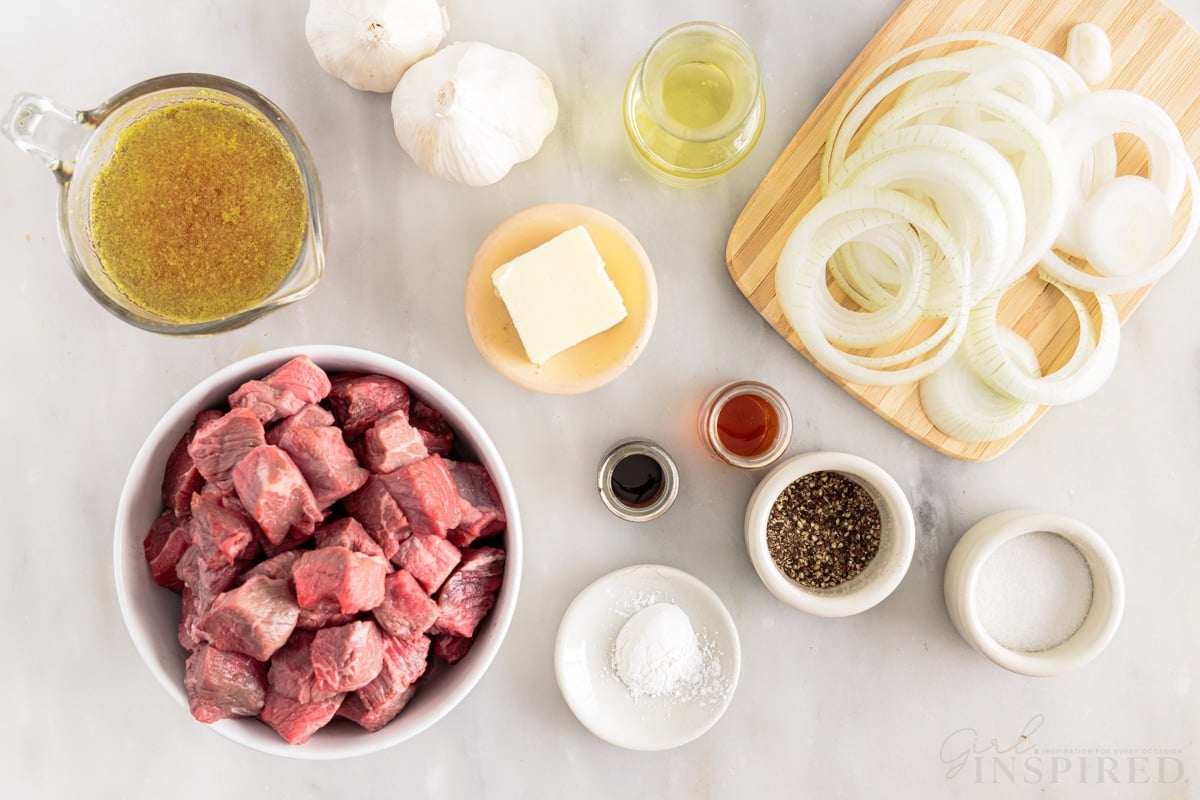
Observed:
{"x":638,"y":480}
{"x":746,"y":424}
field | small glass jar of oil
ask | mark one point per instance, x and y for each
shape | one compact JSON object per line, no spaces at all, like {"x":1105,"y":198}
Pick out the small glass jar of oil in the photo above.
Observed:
{"x":694,"y":106}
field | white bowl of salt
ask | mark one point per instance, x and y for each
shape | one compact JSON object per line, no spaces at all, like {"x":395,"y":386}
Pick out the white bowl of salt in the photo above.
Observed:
{"x":1039,"y":594}
{"x":647,"y":657}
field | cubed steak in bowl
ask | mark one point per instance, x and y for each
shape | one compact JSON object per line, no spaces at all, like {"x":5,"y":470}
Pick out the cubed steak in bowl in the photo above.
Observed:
{"x":318,"y":552}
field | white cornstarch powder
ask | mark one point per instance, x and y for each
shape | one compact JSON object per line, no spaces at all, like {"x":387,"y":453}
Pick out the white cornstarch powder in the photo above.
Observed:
{"x":1034,"y":592}
{"x":657,"y":650}
{"x":659,"y":655}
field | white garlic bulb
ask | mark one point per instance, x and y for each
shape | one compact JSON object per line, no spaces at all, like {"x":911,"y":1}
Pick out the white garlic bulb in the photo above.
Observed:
{"x":370,"y":43}
{"x":471,"y":111}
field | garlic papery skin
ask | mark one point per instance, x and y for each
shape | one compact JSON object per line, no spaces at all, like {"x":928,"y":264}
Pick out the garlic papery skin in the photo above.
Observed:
{"x":370,"y":43}
{"x":471,"y":111}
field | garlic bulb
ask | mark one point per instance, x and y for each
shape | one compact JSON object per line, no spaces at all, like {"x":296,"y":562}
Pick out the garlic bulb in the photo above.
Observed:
{"x":370,"y":43}
{"x":471,"y":111}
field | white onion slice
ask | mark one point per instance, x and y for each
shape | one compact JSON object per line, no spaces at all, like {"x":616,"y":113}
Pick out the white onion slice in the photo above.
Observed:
{"x":1041,"y":172}
{"x":800,"y":276}
{"x":1125,"y":227}
{"x":968,"y":182}
{"x":867,"y":268}
{"x":1088,"y":368}
{"x":961,"y":405}
{"x":847,"y":328}
{"x":1099,"y":117}
{"x":1066,"y":83}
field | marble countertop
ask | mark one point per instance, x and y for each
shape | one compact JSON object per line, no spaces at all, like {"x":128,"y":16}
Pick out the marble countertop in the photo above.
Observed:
{"x":883,"y":704}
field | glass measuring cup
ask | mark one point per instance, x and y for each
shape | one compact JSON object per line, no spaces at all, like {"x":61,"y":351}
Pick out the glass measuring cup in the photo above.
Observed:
{"x":75,"y":145}
{"x":694,"y":105}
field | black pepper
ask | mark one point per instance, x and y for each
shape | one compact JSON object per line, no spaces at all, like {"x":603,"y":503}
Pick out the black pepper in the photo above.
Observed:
{"x":823,"y":530}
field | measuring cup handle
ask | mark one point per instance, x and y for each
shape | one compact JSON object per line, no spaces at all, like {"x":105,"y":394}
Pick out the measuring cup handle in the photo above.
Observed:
{"x":49,"y":132}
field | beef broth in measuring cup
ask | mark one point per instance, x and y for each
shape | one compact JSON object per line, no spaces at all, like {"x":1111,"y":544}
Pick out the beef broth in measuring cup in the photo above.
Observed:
{"x":188,"y":203}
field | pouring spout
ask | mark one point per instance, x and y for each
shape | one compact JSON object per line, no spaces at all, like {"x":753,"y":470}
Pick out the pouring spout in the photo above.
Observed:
{"x":51,"y":133}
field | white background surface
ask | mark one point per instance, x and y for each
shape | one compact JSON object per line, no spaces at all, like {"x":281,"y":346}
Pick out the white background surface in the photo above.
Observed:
{"x":866,"y":706}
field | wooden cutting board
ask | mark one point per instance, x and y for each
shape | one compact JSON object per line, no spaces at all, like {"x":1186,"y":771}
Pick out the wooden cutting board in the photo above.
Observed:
{"x":1155,"y":53}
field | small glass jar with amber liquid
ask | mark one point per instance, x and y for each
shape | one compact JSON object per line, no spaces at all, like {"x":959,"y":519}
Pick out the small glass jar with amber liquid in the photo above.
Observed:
{"x":694,"y":106}
{"x":746,"y":424}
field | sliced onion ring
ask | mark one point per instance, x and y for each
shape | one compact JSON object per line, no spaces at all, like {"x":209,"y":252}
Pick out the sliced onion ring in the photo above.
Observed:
{"x":961,"y":405}
{"x":801,"y":273}
{"x":1088,"y":368}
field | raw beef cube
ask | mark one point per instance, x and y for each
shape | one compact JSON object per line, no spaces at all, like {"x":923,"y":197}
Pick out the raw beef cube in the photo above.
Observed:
{"x":181,"y":477}
{"x":220,"y":444}
{"x":223,"y":535}
{"x":372,"y":709}
{"x":268,"y":402}
{"x":358,"y":400}
{"x":190,"y":615}
{"x":291,"y":672}
{"x":347,"y":657}
{"x":374,"y":507}
{"x":301,"y":377}
{"x":391,"y":443}
{"x":451,"y":648}
{"x":404,"y":660}
{"x":436,"y":432}
{"x":377,"y":703}
{"x":256,"y":618}
{"x":348,"y":533}
{"x":429,"y":558}
{"x":166,"y":542}
{"x":327,"y":463}
{"x":334,"y":579}
{"x":315,"y":620}
{"x":221,"y":684}
{"x":270,"y":486}
{"x":205,"y":579}
{"x":293,"y":539}
{"x":469,"y":593}
{"x":425,"y":493}
{"x":482,"y":514}
{"x":406,"y":610}
{"x":295,"y":721}
{"x":277,"y":566}
{"x":308,"y":417}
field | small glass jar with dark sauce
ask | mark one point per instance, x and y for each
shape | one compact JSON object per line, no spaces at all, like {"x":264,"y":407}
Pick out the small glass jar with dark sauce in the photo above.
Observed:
{"x":638,"y":480}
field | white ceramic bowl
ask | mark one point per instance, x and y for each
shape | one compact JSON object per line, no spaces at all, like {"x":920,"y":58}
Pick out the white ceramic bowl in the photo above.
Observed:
{"x":983,"y":539}
{"x":884,"y":572}
{"x":152,"y":613}
{"x":596,"y":695}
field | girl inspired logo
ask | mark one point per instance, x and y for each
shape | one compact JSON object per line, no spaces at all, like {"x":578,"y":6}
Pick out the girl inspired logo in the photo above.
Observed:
{"x":971,"y":757}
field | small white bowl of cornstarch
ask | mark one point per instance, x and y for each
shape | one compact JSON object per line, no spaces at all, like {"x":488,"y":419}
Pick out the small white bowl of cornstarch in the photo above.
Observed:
{"x":1037,"y":593}
{"x":831,"y":534}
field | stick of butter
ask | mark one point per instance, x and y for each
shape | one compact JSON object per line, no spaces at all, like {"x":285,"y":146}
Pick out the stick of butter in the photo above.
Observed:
{"x":558,"y":294}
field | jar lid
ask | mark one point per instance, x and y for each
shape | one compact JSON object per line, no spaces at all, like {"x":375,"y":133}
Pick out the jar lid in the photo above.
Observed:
{"x":658,"y":497}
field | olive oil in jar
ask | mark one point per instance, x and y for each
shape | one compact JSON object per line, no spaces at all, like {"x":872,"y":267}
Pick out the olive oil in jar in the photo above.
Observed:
{"x":694,"y":105}
{"x":697,"y":94}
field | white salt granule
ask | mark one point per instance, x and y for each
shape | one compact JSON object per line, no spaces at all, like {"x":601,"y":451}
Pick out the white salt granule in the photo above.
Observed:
{"x":656,"y":650}
{"x":1034,"y":592}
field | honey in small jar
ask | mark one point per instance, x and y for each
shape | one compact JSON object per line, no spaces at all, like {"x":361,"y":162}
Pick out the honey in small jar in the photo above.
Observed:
{"x":746,"y":424}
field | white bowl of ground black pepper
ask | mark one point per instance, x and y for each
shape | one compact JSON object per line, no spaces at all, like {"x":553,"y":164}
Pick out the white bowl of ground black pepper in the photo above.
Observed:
{"x":1039,"y":594}
{"x":831,"y":534}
